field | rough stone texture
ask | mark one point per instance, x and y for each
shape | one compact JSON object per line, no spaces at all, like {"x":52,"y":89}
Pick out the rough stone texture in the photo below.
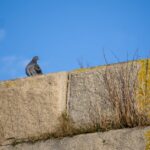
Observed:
{"x":123,"y":139}
{"x":32,"y":106}
{"x":84,"y":98}
{"x":87,"y":97}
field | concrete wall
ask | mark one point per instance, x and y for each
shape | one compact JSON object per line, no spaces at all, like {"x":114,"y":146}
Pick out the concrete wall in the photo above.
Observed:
{"x":91,"y":102}
{"x":70,"y":103}
{"x":31,"y":107}
{"x":125,"y":139}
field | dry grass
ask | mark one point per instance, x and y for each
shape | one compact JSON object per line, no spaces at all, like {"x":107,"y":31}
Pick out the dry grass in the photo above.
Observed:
{"x":121,"y":85}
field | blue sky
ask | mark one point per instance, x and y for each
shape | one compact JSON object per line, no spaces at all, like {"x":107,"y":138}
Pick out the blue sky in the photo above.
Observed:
{"x":64,"y":32}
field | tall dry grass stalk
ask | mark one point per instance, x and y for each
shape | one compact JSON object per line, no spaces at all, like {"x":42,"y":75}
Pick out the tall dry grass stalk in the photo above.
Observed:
{"x":121,"y":84}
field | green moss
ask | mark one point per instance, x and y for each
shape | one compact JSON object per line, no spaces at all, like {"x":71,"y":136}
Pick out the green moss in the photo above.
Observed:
{"x":88,"y":69}
{"x":143,"y":93}
{"x":147,"y":136}
{"x":103,"y":67}
{"x":9,"y":84}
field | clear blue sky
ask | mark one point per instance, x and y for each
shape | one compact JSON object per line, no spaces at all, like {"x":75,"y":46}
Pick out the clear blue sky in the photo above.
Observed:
{"x":61,"y":32}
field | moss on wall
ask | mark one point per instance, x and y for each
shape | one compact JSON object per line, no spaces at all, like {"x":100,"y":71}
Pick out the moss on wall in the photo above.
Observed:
{"x":143,"y":92}
{"x":147,"y":136}
{"x":88,"y":69}
{"x":9,"y":84}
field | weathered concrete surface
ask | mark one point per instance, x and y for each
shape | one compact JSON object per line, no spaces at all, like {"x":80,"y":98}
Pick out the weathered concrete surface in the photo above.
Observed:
{"x":32,"y":106}
{"x":123,"y":139}
{"x":88,"y":102}
{"x":84,"y":97}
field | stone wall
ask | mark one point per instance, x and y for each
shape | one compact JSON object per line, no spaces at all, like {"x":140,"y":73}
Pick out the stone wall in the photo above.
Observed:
{"x":110,"y":95}
{"x":31,"y":107}
{"x":76,"y":102}
{"x":125,"y":139}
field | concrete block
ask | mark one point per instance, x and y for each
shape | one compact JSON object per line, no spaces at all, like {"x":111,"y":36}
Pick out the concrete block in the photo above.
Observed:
{"x":89,"y":103}
{"x":32,"y":106}
{"x":123,"y":139}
